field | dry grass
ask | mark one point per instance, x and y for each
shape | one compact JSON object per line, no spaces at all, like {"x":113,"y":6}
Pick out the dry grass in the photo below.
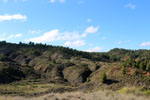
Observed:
{"x":100,"y":95}
{"x":30,"y":89}
{"x":135,"y":91}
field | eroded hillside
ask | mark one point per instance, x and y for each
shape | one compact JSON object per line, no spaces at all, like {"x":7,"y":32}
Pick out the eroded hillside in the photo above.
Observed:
{"x":29,"y":66}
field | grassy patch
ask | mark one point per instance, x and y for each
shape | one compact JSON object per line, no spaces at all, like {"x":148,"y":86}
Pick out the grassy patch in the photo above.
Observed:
{"x":97,"y":95}
{"x":30,"y":89}
{"x":136,"y":91}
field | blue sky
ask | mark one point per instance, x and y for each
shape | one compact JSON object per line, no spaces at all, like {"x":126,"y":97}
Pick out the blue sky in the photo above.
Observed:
{"x":89,"y":25}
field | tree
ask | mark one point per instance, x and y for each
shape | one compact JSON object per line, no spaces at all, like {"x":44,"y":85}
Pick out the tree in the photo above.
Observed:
{"x":148,"y":67}
{"x":123,"y":70}
{"x":134,"y":65}
{"x":127,"y":63}
{"x":103,"y":78}
{"x":113,"y":58}
{"x":20,"y":43}
{"x":53,"y":61}
{"x":137,"y":64}
{"x":141,"y":65}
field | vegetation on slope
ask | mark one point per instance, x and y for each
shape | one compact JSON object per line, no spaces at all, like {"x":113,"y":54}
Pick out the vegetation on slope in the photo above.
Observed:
{"x":47,"y":64}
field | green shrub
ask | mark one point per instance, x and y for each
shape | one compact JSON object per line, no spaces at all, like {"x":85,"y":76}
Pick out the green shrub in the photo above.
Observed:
{"x":146,"y":93}
{"x":141,"y":66}
{"x":133,"y":65}
{"x":53,"y":61}
{"x":123,"y":70}
{"x":36,"y":53}
{"x":129,"y":90}
{"x":148,"y":67}
{"x":103,"y":78}
{"x":3,"y":58}
{"x":88,"y":80}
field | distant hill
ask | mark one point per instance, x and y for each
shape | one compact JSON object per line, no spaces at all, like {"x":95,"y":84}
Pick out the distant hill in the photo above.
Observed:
{"x":65,"y":65}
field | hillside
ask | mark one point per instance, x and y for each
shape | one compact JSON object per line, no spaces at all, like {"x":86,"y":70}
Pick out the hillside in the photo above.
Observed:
{"x":37,"y":69}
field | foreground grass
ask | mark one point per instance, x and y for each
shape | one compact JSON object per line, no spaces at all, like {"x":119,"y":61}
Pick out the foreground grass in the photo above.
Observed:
{"x":99,"y":95}
{"x":135,"y":91}
{"x":31,"y":89}
{"x":39,"y":91}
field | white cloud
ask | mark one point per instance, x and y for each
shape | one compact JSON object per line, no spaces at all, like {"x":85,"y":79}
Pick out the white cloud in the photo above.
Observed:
{"x":84,"y":35}
{"x":89,"y":20}
{"x":18,"y":35}
{"x":91,"y":29}
{"x":52,"y":1}
{"x":46,"y":37}
{"x":14,"y":36}
{"x":12,"y":17}
{"x":145,"y":44}
{"x":10,"y":36}
{"x":2,"y":39}
{"x":55,"y":35}
{"x":70,"y":36}
{"x":96,"y":49}
{"x":75,"y":35}
{"x":130,"y":5}
{"x":34,"y":31}
{"x":4,"y":36}
{"x":76,"y":43}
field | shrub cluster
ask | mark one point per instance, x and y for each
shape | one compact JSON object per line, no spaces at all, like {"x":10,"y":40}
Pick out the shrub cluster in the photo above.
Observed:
{"x":143,"y":64}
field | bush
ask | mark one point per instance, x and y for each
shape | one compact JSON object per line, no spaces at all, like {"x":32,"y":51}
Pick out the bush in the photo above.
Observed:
{"x":141,"y":66}
{"x":3,"y":58}
{"x":129,"y":90}
{"x":103,"y":78}
{"x":88,"y":80}
{"x":53,"y":61}
{"x":146,"y":93}
{"x":148,"y":67}
{"x":123,"y":70}
{"x":35,"y":53}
